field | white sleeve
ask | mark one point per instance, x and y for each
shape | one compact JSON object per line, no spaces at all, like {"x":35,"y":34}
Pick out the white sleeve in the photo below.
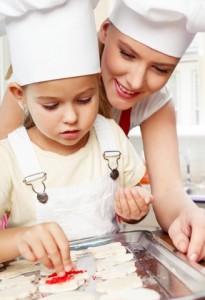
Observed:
{"x":17,"y":8}
{"x":148,"y":106}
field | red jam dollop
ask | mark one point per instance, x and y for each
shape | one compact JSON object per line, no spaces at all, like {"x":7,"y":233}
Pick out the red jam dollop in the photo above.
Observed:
{"x":54,"y":278}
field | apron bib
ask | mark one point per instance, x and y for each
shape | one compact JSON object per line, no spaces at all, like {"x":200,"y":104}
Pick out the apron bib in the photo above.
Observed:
{"x":83,"y":210}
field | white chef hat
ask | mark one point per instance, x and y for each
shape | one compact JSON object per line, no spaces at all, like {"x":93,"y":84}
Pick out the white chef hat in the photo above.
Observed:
{"x":13,"y":8}
{"x":56,"y":43}
{"x":168,"y":26}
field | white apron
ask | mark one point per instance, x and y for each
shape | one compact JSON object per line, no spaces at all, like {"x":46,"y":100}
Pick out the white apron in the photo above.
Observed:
{"x":83,"y":210}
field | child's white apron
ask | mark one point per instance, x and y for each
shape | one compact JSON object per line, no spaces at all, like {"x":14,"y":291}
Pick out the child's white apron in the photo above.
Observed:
{"x":83,"y":210}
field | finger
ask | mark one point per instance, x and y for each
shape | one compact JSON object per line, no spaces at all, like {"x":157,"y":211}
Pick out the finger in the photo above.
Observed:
{"x":134,"y":209}
{"x":147,"y":197}
{"x":124,"y":204}
{"x":31,"y":248}
{"x":64,"y":248}
{"x":139,"y":200}
{"x":38,"y":249}
{"x":26,"y":252}
{"x":196,"y":247}
{"x":178,"y":237}
{"x":118,"y":207}
{"x":54,"y":248}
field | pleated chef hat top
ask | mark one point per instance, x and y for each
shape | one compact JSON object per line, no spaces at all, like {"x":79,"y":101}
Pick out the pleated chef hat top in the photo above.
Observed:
{"x":54,"y":43}
{"x":167,"y":26}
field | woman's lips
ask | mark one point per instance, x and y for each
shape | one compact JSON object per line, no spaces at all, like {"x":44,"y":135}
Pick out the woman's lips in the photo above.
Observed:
{"x":123,"y":92}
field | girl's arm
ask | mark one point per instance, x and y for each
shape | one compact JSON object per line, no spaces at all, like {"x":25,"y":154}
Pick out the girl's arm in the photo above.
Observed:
{"x":175,"y":211}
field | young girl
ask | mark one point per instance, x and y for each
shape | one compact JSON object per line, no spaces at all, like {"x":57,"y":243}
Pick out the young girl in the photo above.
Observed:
{"x":142,"y":42}
{"x":62,"y":171}
{"x":157,"y":45}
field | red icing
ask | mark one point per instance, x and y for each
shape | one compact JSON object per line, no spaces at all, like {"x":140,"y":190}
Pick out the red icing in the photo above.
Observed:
{"x":54,"y":278}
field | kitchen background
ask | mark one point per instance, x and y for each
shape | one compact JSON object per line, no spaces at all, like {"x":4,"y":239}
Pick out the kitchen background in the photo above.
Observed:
{"x":187,"y":85}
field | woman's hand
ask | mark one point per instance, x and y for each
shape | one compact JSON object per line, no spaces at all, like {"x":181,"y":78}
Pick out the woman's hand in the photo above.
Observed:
{"x":187,"y":232}
{"x":132,"y":204}
{"x":45,"y":243}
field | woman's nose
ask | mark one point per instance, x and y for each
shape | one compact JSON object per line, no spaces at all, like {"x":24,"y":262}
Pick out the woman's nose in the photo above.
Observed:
{"x":136,"y":77}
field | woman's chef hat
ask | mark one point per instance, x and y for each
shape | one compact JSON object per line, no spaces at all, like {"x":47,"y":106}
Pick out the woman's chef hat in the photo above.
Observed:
{"x":54,"y":43}
{"x":168,"y":26}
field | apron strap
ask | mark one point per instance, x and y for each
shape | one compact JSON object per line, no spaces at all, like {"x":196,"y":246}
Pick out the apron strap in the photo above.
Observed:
{"x":26,"y":157}
{"x":105,"y":134}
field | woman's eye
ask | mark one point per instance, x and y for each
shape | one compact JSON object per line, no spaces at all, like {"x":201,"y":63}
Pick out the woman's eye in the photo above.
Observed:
{"x":84,"y":101}
{"x":161,"y":70}
{"x":126,"y":54}
{"x":50,"y":107}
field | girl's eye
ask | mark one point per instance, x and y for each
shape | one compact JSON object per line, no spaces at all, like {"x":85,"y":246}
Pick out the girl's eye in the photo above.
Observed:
{"x":84,"y":101}
{"x":126,"y":54}
{"x":50,"y":107}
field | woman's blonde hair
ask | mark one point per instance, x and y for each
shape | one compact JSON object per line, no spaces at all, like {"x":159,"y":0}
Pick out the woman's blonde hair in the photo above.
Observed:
{"x":104,"y":107}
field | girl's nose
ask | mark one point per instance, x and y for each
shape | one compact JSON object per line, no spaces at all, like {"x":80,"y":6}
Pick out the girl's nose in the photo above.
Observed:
{"x":70,"y":116}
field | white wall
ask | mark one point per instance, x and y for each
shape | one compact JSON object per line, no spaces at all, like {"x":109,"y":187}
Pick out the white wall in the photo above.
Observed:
{"x":191,"y":147}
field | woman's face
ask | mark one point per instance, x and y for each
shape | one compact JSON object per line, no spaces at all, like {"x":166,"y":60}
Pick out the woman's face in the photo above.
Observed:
{"x":131,"y":71}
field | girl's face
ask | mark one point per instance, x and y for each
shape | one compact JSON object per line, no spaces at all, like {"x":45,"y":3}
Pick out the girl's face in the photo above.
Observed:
{"x":63,"y":111}
{"x":131,"y":71}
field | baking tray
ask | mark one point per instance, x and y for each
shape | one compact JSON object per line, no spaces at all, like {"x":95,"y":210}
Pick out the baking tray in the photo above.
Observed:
{"x":158,"y":264}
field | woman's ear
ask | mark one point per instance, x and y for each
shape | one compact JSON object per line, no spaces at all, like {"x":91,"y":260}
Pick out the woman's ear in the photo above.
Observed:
{"x":17,"y":91}
{"x":103,"y":30}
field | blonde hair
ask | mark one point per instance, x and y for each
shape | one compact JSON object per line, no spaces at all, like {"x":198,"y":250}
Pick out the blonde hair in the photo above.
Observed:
{"x":28,"y":121}
{"x":104,"y":107}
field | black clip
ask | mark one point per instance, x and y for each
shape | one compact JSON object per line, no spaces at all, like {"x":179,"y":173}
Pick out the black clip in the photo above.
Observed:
{"x":114,"y":174}
{"x":43,"y":196}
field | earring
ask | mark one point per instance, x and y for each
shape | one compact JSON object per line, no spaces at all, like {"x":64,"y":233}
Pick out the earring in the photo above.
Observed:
{"x":25,"y":111}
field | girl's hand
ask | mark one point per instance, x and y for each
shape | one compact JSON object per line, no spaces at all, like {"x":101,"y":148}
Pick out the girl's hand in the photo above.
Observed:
{"x":46,"y":243}
{"x":132,"y":204}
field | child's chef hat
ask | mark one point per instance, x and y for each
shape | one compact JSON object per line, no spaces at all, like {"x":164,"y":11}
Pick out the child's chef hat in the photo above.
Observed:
{"x":56,"y":43}
{"x":164,"y":25}
{"x":11,"y":8}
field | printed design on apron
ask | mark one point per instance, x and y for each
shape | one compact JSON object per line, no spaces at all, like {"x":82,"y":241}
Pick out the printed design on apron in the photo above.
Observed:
{"x":82,"y":211}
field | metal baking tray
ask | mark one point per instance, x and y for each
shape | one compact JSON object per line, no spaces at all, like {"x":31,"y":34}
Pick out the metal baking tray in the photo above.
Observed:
{"x":159,"y":265}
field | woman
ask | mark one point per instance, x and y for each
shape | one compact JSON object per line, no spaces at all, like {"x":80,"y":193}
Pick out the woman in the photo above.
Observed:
{"x":142,"y":43}
{"x":146,"y":63}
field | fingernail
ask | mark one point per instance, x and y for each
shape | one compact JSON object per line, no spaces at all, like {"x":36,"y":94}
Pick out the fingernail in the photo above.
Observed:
{"x":148,"y":200}
{"x":182,"y":246}
{"x":68,"y":268}
{"x":61,"y":274}
{"x":193,"y":257}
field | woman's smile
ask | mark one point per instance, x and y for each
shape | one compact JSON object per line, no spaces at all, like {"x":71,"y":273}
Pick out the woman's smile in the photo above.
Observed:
{"x":124,"y":92}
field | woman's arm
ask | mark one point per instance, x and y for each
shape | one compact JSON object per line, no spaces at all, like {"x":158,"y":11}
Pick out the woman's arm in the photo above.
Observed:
{"x":11,"y":115}
{"x":175,"y":211}
{"x":162,"y":160}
